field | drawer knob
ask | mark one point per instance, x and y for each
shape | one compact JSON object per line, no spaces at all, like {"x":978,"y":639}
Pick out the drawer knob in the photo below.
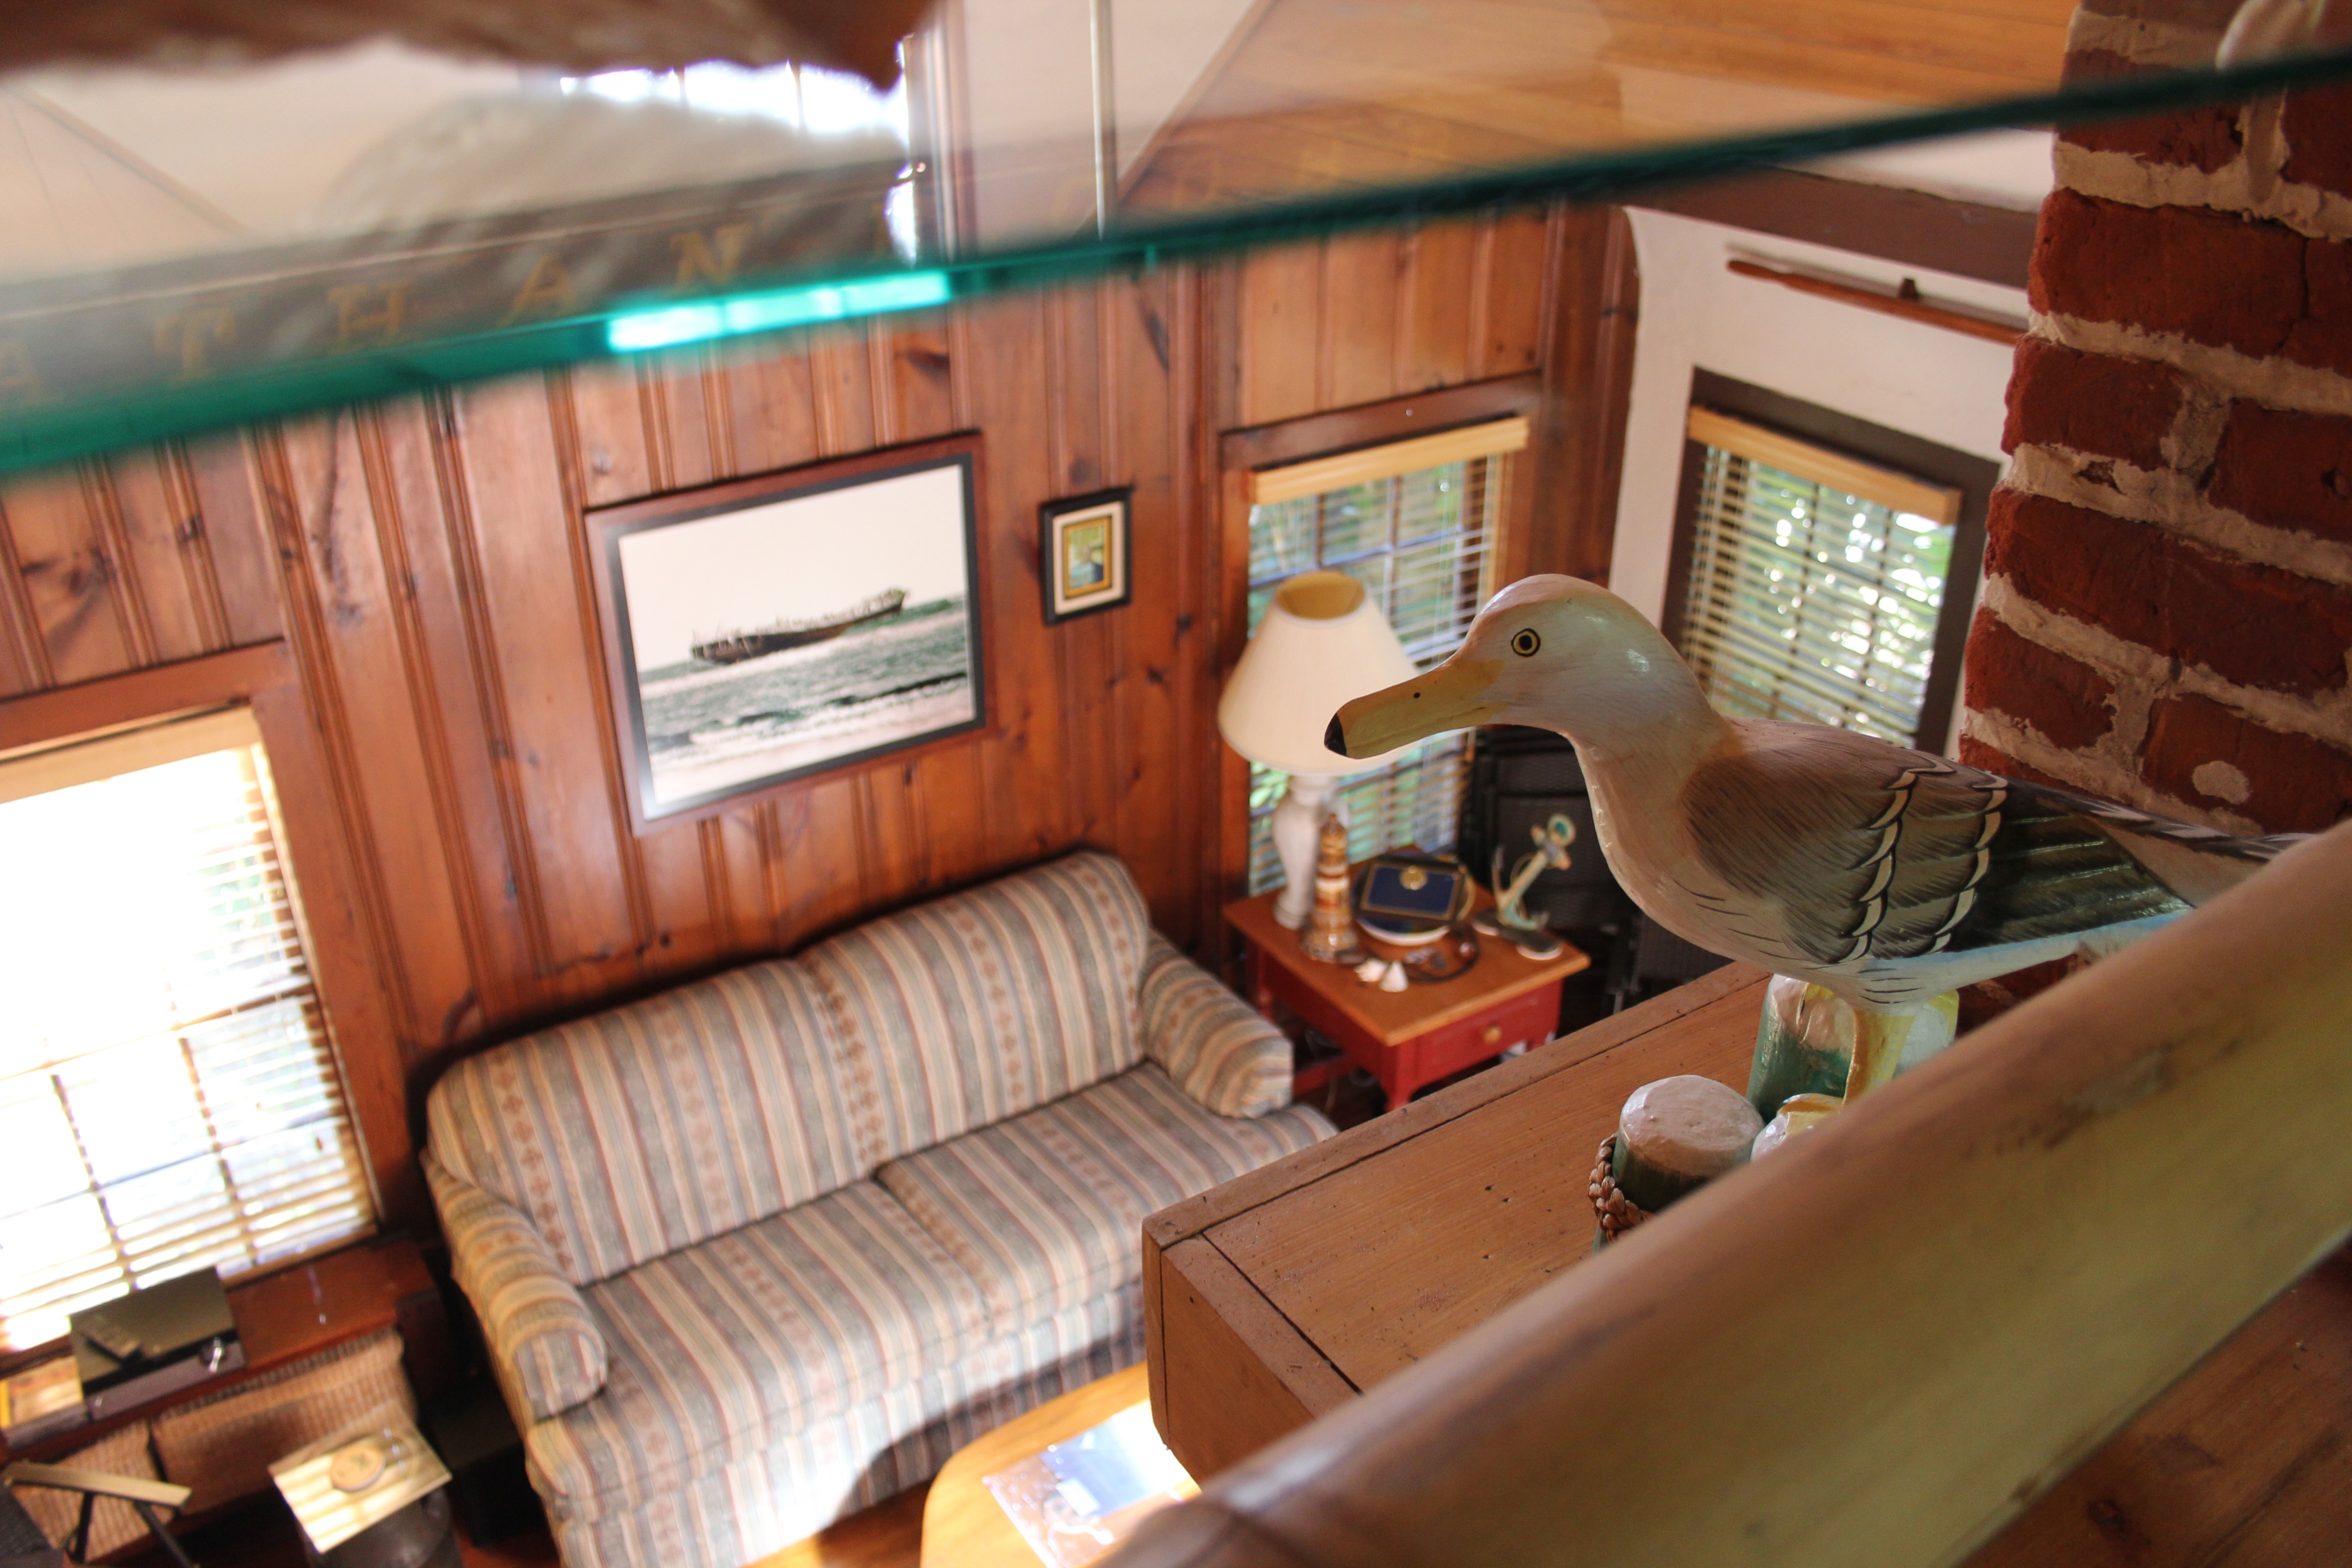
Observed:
{"x":1493,"y":1034}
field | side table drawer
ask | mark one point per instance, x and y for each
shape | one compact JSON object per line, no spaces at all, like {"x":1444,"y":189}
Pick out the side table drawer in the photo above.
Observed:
{"x":1526,"y":1020}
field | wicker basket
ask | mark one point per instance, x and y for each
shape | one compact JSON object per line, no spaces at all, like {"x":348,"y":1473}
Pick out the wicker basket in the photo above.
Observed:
{"x":115,"y":1523}
{"x":223,"y":1446}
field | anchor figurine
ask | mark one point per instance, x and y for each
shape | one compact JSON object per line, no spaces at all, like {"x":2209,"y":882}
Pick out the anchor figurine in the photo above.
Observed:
{"x":1509,"y":919}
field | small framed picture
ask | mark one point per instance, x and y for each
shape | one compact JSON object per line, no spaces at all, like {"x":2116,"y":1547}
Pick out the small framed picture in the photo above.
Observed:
{"x":1083,"y":542}
{"x":762,"y":630}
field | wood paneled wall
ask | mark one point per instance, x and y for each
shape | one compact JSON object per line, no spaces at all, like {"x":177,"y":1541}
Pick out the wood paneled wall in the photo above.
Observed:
{"x":424,"y":560}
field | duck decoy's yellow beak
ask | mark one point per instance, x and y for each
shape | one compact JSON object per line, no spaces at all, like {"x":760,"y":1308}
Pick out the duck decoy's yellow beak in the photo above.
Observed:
{"x":1453,"y":696}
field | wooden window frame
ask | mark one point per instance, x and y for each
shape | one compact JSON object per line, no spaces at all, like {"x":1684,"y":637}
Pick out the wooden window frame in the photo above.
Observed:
{"x":1973,"y":476}
{"x":1970,"y":239}
{"x":262,"y":677}
{"x":1240,"y":453}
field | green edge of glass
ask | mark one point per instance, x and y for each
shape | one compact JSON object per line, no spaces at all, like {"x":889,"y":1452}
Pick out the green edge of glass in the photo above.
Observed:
{"x":66,"y":427}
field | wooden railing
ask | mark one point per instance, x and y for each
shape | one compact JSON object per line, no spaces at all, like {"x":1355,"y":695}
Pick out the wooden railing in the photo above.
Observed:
{"x":1876,"y":1346}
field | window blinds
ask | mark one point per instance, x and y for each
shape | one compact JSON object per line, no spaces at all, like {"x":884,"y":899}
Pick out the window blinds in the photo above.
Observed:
{"x":168,"y":1099}
{"x":1419,"y":541}
{"x":1815,"y":581}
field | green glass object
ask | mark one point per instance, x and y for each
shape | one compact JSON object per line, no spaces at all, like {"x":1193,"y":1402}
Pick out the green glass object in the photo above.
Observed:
{"x":501,"y":221}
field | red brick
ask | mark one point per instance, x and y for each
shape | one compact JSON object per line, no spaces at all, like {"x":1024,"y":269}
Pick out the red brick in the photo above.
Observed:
{"x":2290,"y":470}
{"x":2092,"y":403}
{"x":2316,"y":124}
{"x":2064,"y":698}
{"x":2258,"y":287}
{"x":2208,"y":276}
{"x":2254,"y":624}
{"x":2323,"y":335}
{"x":2204,"y":138}
{"x":2297,"y":784}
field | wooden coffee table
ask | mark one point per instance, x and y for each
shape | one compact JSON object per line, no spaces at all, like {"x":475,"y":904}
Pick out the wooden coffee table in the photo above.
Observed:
{"x":1410,"y":1037}
{"x":964,"y":1525}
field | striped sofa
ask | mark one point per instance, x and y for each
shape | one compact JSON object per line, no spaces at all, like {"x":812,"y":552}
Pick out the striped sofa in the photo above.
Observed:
{"x":755,"y":1252}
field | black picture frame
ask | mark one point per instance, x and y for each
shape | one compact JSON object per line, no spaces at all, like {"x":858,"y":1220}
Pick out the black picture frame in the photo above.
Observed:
{"x":1066,"y":524}
{"x":902,"y":673}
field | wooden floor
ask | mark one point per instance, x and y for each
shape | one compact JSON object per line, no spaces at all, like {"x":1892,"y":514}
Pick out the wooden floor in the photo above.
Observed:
{"x":888,"y":1535}
{"x":1319,"y":95}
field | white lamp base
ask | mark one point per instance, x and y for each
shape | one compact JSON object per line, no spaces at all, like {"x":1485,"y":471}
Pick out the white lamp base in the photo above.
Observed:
{"x":1298,"y":831}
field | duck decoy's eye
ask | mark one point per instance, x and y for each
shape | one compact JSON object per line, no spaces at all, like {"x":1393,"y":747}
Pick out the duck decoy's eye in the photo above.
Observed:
{"x":1524,"y":642}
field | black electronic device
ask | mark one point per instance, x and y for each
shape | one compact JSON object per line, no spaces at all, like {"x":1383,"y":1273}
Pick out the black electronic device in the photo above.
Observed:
{"x":471,"y":1431}
{"x":154,"y":1342}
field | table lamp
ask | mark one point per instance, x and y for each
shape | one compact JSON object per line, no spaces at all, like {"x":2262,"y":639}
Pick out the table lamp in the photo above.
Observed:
{"x":1322,"y":642}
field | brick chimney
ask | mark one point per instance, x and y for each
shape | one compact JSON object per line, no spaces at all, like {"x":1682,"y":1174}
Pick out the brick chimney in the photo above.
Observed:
{"x":2169,"y":608}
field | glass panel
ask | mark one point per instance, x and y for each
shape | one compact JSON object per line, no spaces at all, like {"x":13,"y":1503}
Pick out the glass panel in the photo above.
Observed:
{"x":1282,"y":541}
{"x":1431,"y":502}
{"x":200,"y":244}
{"x":1805,"y":603}
{"x":1429,"y":582}
{"x":1356,"y":520}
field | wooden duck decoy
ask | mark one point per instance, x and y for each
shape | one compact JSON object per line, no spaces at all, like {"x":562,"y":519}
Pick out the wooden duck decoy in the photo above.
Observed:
{"x":1886,"y":874}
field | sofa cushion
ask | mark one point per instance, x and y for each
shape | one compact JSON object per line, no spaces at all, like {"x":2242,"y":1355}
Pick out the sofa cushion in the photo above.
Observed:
{"x":545,"y":1347}
{"x":1216,"y":1047}
{"x":1046,"y":1210}
{"x":807,"y":1477}
{"x":629,"y":1134}
{"x":719,"y":1347}
{"x":977,"y":1007}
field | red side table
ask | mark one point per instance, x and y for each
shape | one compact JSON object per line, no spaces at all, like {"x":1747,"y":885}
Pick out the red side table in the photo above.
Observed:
{"x":1403,"y":1038}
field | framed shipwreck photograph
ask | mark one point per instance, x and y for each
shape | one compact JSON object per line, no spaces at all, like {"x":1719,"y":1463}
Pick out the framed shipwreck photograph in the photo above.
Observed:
{"x":1082,"y":546}
{"x":766,"y":629}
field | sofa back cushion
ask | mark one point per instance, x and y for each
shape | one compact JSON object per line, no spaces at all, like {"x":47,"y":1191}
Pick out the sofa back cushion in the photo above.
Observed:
{"x":981,"y":1005}
{"x":629,"y":1134}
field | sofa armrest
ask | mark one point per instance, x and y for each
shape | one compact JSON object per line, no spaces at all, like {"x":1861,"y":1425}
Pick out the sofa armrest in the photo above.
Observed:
{"x":1214,"y":1045}
{"x":549,"y":1351}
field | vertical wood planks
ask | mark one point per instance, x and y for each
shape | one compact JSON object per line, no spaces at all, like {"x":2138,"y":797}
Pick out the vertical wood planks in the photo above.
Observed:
{"x":1279,"y":332}
{"x":1005,"y":343}
{"x":1358,"y":337}
{"x":1515,"y":279}
{"x":163,"y":569}
{"x":544,"y":659}
{"x":1146,"y":782}
{"x":66,"y":576}
{"x":428,"y":558}
{"x":426,"y":531}
{"x":337,"y":516}
{"x":1442,"y":283}
{"x":232,"y":524}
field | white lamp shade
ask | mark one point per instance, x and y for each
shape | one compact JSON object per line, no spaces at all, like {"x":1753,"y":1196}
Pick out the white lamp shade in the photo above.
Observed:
{"x":1322,"y":643}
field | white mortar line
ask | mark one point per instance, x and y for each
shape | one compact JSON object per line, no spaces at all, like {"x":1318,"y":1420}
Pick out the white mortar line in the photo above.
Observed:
{"x":2308,"y":210}
{"x":2276,"y":382}
{"x":2151,"y":675}
{"x":2172,"y":500}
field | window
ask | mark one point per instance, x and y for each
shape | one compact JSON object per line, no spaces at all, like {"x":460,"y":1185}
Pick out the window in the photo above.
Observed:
{"x":1815,"y":584}
{"x":168,"y":1096}
{"x":1414,"y":522}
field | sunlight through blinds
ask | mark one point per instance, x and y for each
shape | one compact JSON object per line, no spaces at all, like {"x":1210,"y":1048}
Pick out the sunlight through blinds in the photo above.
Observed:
{"x":1420,"y":543}
{"x":1815,"y":583}
{"x":168,"y":1099}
